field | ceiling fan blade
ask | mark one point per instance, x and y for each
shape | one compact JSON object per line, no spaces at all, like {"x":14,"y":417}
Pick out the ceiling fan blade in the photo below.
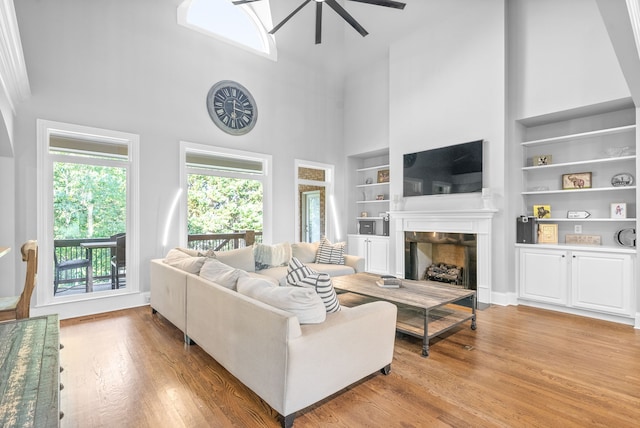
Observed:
{"x":238,"y":2}
{"x":284,"y":21}
{"x":318,"y":22}
{"x":386,"y":3}
{"x":345,"y":15}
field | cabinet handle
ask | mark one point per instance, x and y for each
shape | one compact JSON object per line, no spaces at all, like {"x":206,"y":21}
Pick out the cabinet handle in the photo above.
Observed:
{"x":563,"y":256}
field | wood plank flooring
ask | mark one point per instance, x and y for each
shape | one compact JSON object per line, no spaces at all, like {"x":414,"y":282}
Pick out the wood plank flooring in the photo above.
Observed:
{"x":522,"y":367}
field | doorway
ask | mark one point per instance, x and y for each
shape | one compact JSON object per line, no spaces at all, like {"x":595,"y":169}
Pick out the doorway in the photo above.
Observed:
{"x":311,"y":216}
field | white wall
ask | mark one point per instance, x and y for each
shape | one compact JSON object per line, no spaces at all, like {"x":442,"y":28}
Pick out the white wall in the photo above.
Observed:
{"x":563,"y":57}
{"x":129,"y":67}
{"x":447,"y":86}
{"x":7,"y":229}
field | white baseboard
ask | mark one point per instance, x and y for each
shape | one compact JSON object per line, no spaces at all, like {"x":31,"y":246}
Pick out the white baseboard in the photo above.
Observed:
{"x":637,"y":324}
{"x":504,"y":299}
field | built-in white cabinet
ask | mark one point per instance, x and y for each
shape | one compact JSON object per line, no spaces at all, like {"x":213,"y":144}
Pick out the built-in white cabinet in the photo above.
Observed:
{"x":543,"y":275}
{"x":601,"y":281}
{"x":374,"y":249}
{"x":579,"y":177}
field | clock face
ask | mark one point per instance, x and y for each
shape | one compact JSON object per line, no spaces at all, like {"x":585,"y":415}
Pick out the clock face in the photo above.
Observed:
{"x":232,"y":107}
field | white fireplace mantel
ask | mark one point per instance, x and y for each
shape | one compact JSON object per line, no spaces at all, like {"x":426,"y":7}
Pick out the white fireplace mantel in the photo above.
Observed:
{"x":476,"y":221}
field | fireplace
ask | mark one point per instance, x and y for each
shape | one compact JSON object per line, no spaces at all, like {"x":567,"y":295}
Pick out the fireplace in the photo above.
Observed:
{"x":445,"y":257}
{"x":469,"y":230}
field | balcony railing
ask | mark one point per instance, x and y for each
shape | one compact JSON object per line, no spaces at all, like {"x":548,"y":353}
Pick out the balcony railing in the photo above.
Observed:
{"x":74,"y":280}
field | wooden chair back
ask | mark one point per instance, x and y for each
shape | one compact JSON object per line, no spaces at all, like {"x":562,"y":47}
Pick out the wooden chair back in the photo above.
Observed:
{"x":29,"y":252}
{"x":21,"y":309}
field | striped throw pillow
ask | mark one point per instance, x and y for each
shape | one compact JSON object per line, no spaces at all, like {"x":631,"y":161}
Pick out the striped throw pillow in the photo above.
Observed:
{"x":330,"y":253}
{"x":321,"y":282}
{"x":297,"y":271}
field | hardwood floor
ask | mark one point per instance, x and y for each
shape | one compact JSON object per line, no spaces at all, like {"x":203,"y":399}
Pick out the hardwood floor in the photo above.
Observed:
{"x":522,"y":367}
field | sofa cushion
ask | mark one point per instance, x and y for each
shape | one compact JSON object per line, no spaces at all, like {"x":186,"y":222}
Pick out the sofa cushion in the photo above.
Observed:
{"x":330,"y":253}
{"x":305,"y":251}
{"x":321,"y":283}
{"x":183,"y":261}
{"x":332,"y":270}
{"x":241,"y":258}
{"x":216,"y":271}
{"x":267,"y":256}
{"x":303,"y":302}
{"x":297,"y":271}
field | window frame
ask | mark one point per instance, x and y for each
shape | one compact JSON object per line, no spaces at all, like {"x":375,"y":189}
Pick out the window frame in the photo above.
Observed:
{"x":45,"y":161}
{"x":265,"y":178}
{"x":258,"y":13}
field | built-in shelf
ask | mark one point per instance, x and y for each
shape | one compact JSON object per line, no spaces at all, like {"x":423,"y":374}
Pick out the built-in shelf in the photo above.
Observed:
{"x":372,"y":168}
{"x":372,"y":185}
{"x":580,"y":136}
{"x":589,"y":219}
{"x":585,"y":162}
{"x":597,"y":189}
{"x":374,"y":201}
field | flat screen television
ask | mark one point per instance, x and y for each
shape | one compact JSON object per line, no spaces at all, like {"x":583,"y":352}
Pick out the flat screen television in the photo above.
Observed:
{"x":445,"y":170}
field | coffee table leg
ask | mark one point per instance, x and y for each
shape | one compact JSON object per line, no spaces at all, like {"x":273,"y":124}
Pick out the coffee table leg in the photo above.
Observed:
{"x":425,"y":339}
{"x":473,"y":320}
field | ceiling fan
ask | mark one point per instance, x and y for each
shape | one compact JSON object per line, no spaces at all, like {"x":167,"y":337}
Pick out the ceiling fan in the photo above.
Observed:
{"x":333,"y":4}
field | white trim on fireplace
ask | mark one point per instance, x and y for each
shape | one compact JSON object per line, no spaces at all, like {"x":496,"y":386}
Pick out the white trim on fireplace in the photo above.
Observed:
{"x":477,"y":221}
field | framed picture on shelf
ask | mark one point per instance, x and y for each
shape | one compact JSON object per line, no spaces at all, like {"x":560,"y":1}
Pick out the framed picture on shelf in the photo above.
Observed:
{"x":619,"y":210}
{"x":542,"y":211}
{"x":547,"y":233}
{"x":542,"y":160}
{"x":578,"y":180}
{"x":578,"y":239}
{"x":379,"y":197}
{"x":383,"y":176}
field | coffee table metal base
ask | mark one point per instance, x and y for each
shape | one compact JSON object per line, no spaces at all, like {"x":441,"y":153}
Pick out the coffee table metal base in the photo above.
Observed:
{"x":425,"y":309}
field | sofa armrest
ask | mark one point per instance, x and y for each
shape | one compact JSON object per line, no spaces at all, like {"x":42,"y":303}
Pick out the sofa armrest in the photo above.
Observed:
{"x":350,"y":345}
{"x":356,"y":262}
{"x":169,"y":292}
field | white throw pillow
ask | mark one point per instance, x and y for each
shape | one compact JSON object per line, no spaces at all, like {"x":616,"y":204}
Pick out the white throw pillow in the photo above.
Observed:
{"x":303,"y":302}
{"x":268,"y":256}
{"x":242,"y":258}
{"x":215,"y":271}
{"x":305,"y":251}
{"x":183,"y":261}
{"x":330,"y":253}
{"x":322,"y":284}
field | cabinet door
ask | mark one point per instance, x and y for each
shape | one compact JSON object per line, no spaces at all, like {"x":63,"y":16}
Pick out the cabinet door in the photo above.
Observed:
{"x":378,"y":256}
{"x":602,"y":281}
{"x":357,"y":246}
{"x":543,"y":275}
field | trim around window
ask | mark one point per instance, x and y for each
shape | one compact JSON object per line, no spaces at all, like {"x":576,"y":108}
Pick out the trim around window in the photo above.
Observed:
{"x":250,"y":160}
{"x":81,"y":304}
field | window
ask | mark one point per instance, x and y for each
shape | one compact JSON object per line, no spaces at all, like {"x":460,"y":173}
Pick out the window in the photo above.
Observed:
{"x":227,"y":202}
{"x":87,"y":215}
{"x":242,"y":26}
{"x":315,"y":206}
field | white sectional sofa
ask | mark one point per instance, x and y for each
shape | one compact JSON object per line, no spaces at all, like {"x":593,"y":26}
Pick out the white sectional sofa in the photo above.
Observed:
{"x":288,"y":364}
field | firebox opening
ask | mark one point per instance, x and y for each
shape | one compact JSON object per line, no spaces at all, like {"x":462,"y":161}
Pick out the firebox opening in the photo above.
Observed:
{"x":450,"y":258}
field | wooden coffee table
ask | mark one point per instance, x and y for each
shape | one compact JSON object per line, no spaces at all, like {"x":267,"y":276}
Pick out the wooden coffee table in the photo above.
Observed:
{"x":424,"y":307}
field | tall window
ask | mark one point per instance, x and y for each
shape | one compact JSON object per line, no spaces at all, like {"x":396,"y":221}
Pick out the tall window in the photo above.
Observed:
{"x":86,"y":187}
{"x":227,"y":197}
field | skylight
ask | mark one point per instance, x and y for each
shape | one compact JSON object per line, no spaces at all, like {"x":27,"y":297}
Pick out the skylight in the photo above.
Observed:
{"x":242,"y":26}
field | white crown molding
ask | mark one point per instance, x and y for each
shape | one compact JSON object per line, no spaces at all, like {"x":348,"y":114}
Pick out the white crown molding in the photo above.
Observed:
{"x":13,"y":71}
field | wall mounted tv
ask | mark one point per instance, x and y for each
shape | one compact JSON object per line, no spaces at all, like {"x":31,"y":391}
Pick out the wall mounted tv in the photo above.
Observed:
{"x":445,"y":170}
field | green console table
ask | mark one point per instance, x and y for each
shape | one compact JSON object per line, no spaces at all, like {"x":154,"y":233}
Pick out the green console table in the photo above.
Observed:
{"x":30,"y":372}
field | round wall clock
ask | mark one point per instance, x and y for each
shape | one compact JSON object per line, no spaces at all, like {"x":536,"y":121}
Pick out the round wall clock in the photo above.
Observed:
{"x":231,"y":107}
